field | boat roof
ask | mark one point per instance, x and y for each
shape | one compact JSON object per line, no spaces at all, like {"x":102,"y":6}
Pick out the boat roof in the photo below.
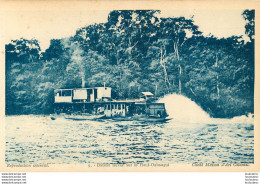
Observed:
{"x":81,"y":88}
{"x":147,"y":93}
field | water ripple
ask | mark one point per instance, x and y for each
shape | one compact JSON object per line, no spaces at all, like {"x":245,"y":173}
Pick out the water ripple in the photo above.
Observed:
{"x":64,"y":141}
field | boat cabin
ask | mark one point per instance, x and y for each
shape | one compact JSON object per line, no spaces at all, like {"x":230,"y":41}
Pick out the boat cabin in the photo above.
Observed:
{"x":114,"y":108}
{"x":156,"y":109}
{"x":151,"y":109}
{"x":98,"y":101}
{"x":82,"y":95}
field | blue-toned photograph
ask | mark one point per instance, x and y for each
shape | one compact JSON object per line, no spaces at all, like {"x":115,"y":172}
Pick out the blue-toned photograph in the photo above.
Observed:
{"x":131,"y":87}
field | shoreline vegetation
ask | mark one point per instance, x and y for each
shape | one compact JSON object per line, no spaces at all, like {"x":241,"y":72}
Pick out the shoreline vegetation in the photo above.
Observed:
{"x":136,"y":51}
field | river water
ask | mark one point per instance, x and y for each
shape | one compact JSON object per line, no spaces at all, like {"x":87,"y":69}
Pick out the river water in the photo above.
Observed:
{"x":38,"y":139}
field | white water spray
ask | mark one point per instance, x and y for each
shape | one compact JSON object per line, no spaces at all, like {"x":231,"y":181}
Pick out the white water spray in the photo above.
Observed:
{"x":183,"y":109}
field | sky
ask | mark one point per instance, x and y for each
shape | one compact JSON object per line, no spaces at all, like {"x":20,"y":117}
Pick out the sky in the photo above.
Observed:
{"x":47,"y":25}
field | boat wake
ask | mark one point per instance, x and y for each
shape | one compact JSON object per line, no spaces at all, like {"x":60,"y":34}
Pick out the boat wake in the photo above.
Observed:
{"x":183,"y":109}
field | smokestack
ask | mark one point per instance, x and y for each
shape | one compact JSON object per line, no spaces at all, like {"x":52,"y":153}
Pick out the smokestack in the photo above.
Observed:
{"x":104,"y":84}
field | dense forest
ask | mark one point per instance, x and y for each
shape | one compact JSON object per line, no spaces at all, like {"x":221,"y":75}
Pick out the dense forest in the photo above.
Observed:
{"x":136,"y":51}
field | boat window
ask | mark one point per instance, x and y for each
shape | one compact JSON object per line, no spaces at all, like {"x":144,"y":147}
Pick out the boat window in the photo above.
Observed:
{"x":108,"y":107}
{"x":66,"y":92}
{"x":123,"y":106}
{"x":112,"y":107}
{"x":119,"y":106}
{"x":105,"y":107}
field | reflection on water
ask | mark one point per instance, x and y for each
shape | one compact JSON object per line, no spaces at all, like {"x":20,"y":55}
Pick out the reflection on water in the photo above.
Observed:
{"x":38,"y":139}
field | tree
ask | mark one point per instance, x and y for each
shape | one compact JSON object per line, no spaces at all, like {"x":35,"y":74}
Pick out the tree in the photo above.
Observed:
{"x":177,"y":31}
{"x":22,"y":66}
{"x":249,"y":16}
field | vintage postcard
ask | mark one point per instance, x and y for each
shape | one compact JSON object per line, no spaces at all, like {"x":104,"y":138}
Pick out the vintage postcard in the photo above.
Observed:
{"x":129,"y":86}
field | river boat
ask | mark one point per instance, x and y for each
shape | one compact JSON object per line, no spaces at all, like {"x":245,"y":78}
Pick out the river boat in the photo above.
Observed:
{"x":96,"y":103}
